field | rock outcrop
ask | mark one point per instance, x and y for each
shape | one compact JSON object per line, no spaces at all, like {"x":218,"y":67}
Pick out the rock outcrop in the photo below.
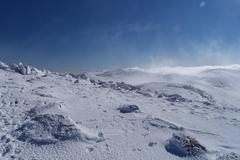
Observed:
{"x":185,"y":146}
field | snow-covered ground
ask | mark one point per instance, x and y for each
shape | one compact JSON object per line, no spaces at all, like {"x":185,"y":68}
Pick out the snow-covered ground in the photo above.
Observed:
{"x":125,"y":114}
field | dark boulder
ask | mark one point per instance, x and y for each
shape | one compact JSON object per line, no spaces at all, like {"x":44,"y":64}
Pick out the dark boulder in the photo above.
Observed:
{"x":129,"y":109}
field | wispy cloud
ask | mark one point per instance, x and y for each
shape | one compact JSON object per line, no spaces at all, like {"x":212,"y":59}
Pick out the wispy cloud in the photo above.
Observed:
{"x":202,"y":4}
{"x":187,"y":70}
{"x":210,"y":52}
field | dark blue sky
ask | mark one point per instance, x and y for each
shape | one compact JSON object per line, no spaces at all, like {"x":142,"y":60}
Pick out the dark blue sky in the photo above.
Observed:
{"x":72,"y":35}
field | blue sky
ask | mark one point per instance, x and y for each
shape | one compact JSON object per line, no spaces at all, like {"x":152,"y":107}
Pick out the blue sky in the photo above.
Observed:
{"x":96,"y":34}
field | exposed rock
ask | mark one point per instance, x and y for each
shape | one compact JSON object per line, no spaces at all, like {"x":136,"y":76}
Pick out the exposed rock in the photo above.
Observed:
{"x":79,"y":76}
{"x":200,"y":92}
{"x":151,"y":144}
{"x":185,"y":146}
{"x":128,"y":87}
{"x":83,"y":76}
{"x":207,"y":103}
{"x":76,"y":81}
{"x":25,"y":70}
{"x":160,"y":123}
{"x":129,"y":109}
{"x":144,"y":93}
{"x":121,"y":86}
{"x":173,"y":97}
{"x":103,"y":84}
{"x":20,"y":68}
{"x":93,"y":81}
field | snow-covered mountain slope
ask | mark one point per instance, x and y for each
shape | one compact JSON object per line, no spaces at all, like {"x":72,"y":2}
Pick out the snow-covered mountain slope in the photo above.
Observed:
{"x":124,"y":114}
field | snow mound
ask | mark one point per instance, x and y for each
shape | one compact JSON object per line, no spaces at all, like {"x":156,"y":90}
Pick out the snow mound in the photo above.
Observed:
{"x":47,"y":129}
{"x":51,"y":128}
{"x":230,"y":156}
{"x":185,"y":146}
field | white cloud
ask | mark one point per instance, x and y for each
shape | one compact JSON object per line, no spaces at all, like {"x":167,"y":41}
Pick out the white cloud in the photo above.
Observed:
{"x":187,"y":70}
{"x":202,"y":4}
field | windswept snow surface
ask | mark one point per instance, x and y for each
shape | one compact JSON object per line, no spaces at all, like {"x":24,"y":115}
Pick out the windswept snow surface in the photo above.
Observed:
{"x":125,"y":114}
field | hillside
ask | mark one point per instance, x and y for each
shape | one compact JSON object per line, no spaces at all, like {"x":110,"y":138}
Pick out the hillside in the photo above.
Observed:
{"x":121,"y":114}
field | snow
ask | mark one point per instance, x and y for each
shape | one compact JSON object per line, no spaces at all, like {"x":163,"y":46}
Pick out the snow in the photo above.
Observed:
{"x":46,"y":115}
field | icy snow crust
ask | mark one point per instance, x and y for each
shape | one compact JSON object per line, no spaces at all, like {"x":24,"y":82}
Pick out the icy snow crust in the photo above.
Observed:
{"x":126,"y":114}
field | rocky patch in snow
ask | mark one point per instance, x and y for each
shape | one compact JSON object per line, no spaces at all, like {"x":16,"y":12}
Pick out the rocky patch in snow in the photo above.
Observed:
{"x":20,"y":68}
{"x":117,"y":85}
{"x":173,"y":97}
{"x":185,"y":146}
{"x":160,"y":123}
{"x":129,"y":109}
{"x":208,"y":98}
{"x":121,"y":86}
{"x":79,"y":76}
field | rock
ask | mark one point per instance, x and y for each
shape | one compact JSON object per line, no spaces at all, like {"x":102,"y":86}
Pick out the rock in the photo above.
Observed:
{"x":151,"y":144}
{"x":173,"y":97}
{"x":103,"y":84}
{"x":144,"y":93}
{"x":83,"y":76}
{"x":93,"y":81}
{"x":79,"y":76}
{"x":127,"y":87}
{"x":128,"y":109}
{"x":207,"y":103}
{"x":209,"y":98}
{"x":25,"y":70}
{"x":20,"y":68}
{"x":185,"y":146}
{"x":160,"y":123}
{"x":76,"y":81}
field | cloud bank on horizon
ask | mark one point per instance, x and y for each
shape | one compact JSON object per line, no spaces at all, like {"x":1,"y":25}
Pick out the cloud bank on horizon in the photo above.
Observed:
{"x":196,"y":70}
{"x":90,"y":35}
